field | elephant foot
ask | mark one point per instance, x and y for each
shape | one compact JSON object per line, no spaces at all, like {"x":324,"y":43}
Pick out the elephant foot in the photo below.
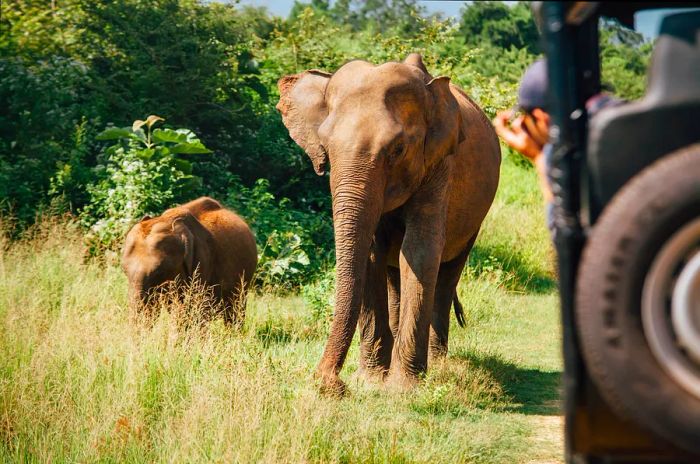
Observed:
{"x":400,"y":382}
{"x":371,"y":377}
{"x":331,"y":385}
{"x":437,"y":354}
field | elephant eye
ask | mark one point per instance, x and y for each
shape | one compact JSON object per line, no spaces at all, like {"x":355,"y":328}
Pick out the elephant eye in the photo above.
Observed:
{"x":396,"y":152}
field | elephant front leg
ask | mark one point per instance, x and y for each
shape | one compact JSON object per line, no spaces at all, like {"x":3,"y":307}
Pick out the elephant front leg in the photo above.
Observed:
{"x":419,"y":266}
{"x":419,"y":263}
{"x":376,"y":339}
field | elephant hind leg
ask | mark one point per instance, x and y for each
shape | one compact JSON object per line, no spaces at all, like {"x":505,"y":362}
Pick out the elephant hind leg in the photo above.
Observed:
{"x":445,"y":297}
{"x":394,"y":291}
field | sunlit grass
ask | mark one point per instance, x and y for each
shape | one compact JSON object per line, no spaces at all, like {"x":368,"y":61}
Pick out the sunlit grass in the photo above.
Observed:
{"x":80,"y":382}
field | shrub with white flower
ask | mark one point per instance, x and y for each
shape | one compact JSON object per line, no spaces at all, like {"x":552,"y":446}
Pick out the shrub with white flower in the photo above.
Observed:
{"x":145,"y":172}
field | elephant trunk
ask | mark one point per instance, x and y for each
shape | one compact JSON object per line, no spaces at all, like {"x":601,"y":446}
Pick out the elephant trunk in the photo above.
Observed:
{"x":357,"y":206}
{"x":137,"y":294}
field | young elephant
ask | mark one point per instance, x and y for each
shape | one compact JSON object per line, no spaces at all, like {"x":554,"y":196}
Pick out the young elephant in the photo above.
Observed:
{"x":414,"y":167}
{"x":200,"y":235}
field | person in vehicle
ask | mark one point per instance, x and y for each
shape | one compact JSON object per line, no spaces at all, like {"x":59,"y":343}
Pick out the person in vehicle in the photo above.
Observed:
{"x":528,"y":132}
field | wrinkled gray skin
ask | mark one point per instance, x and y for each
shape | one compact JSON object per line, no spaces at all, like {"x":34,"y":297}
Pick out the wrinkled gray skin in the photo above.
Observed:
{"x":414,"y":167}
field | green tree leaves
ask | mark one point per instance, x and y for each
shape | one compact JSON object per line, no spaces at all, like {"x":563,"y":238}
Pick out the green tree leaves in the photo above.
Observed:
{"x":500,"y":25}
{"x":115,"y":133}
{"x":71,"y":67}
{"x":624,"y":56}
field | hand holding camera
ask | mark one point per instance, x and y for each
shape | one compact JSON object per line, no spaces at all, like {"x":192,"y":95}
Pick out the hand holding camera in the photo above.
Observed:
{"x":527,"y":133}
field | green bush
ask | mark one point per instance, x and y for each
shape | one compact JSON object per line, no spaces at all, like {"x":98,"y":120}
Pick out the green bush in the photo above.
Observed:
{"x":294,"y":244}
{"x":319,"y":296}
{"x":68,"y":185}
{"x":145,"y":172}
{"x":44,"y":107}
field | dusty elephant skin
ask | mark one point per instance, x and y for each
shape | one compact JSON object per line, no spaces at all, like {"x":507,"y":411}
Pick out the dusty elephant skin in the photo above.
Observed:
{"x":414,"y":167}
{"x":200,"y":235}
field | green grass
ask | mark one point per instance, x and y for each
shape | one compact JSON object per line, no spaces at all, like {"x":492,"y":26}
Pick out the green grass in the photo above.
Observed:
{"x":80,"y":383}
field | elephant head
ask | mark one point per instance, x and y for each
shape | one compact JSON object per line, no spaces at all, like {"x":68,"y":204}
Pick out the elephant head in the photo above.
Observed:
{"x":380,"y":129}
{"x":162,"y":249}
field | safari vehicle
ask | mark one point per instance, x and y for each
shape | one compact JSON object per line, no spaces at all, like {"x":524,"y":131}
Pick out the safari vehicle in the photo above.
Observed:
{"x":627,"y":200}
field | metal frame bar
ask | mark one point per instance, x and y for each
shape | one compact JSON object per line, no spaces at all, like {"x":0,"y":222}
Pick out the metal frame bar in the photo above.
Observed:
{"x":567,"y":155}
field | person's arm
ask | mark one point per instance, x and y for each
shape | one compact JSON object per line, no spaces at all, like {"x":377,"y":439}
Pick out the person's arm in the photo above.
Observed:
{"x":528,"y":135}
{"x":541,"y":166}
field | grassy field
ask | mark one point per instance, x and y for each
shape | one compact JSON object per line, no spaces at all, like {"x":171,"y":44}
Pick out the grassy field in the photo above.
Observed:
{"x":80,"y":383}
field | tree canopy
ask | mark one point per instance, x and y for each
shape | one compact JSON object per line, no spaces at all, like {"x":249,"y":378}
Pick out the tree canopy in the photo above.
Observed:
{"x":71,"y":68}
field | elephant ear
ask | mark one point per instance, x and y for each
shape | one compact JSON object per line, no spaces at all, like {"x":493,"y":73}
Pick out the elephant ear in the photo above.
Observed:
{"x":445,"y":121}
{"x":416,"y":60}
{"x":303,"y":108}
{"x":195,"y":240}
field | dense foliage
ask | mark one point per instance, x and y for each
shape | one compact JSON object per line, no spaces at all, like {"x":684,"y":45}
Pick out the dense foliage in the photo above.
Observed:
{"x":71,"y":68}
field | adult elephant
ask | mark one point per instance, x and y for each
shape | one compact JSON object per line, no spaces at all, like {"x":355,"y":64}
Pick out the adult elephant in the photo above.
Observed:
{"x":414,"y":167}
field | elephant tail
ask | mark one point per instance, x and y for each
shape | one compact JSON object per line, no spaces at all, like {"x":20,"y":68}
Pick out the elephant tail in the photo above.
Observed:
{"x":459,"y":311}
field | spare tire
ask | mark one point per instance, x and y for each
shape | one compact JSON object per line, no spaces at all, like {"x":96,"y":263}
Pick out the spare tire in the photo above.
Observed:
{"x":638,"y":299}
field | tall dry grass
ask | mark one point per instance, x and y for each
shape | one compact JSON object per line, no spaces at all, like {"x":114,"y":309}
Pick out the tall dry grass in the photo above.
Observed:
{"x":80,"y":382}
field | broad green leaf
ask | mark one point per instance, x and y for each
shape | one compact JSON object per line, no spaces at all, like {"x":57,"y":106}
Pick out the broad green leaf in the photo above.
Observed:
{"x":168,"y":135}
{"x":303,"y":258}
{"x":190,"y":148}
{"x":189,"y":135}
{"x":113,"y":133}
{"x":140,"y":134}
